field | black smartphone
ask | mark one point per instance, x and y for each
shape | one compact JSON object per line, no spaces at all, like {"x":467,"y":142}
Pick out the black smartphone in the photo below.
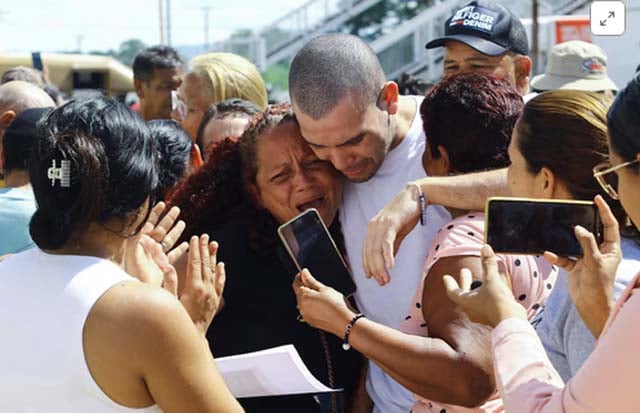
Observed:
{"x":36,"y":61}
{"x":310,"y":246}
{"x":532,"y":226}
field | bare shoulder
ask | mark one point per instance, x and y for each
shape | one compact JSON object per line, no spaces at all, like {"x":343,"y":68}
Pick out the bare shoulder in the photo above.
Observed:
{"x":127,"y":333}
{"x":139,"y":310}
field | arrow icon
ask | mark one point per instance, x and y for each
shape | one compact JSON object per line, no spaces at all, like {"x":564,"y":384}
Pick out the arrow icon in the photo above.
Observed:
{"x":607,"y":18}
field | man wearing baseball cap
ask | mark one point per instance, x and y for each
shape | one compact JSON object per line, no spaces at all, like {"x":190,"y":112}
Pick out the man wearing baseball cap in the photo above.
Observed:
{"x":576,"y":65}
{"x":17,"y":203}
{"x":486,"y":37}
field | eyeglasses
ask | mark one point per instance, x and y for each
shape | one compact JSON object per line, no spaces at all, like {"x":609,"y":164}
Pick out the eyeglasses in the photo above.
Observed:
{"x":178,"y":105}
{"x":607,"y":180}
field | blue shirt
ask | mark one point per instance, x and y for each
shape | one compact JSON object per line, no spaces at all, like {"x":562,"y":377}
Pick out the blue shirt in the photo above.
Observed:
{"x":566,"y":339}
{"x":17,"y":205}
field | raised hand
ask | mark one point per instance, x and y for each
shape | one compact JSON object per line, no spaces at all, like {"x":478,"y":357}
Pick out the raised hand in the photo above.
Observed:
{"x":163,"y":231}
{"x":488,"y":301}
{"x":591,"y":278}
{"x":166,"y":229}
{"x":386,"y":231}
{"x":202,"y":293}
{"x":150,"y":264}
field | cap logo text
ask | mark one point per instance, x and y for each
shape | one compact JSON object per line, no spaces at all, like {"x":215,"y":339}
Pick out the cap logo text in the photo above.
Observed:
{"x":475,"y":18}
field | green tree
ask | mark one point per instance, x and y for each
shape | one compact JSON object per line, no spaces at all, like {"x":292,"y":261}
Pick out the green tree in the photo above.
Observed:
{"x":384,"y":16}
{"x":277,"y":76}
{"x":129,"y":49}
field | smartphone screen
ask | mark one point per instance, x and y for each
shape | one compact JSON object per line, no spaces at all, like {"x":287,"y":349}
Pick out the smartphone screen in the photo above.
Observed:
{"x":533,"y":226}
{"x":310,"y":245}
{"x":36,"y":60}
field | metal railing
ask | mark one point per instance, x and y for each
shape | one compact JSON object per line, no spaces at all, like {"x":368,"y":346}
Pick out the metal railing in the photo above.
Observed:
{"x":403,"y":50}
{"x":400,"y":50}
{"x":285,"y":36}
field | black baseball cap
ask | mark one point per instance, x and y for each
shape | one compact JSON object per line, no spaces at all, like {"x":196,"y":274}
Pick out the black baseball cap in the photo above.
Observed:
{"x":490,"y":28}
{"x":20,"y":137}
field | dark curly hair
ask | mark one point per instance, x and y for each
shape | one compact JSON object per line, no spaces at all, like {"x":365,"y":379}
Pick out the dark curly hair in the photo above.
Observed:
{"x":218,"y":190}
{"x":174,"y":149}
{"x":472,"y":116}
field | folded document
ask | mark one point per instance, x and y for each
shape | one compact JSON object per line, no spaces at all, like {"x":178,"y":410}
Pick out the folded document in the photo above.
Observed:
{"x":272,"y":372}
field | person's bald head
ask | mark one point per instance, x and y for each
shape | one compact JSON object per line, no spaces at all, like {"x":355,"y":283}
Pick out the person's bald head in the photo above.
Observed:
{"x":17,"y":96}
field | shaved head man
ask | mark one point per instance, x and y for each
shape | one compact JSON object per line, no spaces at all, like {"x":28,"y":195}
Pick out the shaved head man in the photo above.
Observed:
{"x":351,"y":116}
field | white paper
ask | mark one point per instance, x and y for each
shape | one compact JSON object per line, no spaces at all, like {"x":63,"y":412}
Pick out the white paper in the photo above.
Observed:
{"x":272,"y":372}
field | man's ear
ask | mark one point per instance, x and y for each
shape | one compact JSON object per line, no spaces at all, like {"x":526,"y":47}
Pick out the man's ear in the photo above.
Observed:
{"x":388,"y":98}
{"x":523,"y":65}
{"x":137,"y":84}
{"x":6,"y":118}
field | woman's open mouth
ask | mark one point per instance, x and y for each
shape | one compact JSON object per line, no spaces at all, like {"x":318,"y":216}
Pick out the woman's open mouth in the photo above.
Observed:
{"x":317,"y":203}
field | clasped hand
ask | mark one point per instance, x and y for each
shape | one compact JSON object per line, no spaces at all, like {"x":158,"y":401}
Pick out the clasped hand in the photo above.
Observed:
{"x":151,"y":255}
{"x":321,"y":306}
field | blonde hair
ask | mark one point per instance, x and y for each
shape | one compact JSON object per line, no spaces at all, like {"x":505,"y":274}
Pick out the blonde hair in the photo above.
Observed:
{"x":231,"y":76}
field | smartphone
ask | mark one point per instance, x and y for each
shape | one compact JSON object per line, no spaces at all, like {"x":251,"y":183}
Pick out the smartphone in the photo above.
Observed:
{"x":36,"y":61}
{"x":310,"y":246}
{"x":532,"y":226}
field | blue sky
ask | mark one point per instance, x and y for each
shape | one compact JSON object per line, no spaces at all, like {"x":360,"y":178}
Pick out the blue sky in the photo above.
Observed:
{"x":28,"y":25}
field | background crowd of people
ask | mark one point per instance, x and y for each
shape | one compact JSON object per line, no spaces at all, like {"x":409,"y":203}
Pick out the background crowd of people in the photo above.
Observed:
{"x":139,"y":246}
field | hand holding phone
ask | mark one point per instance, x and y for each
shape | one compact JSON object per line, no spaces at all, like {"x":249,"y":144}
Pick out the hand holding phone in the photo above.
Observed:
{"x":310,"y":246}
{"x":591,"y":278}
{"x":532,"y":226}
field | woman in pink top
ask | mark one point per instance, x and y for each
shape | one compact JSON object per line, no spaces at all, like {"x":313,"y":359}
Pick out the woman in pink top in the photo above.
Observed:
{"x":450,"y":360}
{"x":607,"y":382}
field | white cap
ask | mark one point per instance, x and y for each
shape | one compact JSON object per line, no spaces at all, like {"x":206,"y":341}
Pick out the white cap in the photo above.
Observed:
{"x":575,"y":65}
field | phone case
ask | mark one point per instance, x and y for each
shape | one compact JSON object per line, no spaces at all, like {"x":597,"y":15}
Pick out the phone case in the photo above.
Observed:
{"x":596,"y":223}
{"x":324,"y":228}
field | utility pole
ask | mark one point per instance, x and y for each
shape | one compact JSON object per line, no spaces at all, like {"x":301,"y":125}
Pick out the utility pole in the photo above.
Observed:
{"x":79,"y":39}
{"x":169,"y":22}
{"x":534,"y":34}
{"x":205,"y":11}
{"x":161,"y":20}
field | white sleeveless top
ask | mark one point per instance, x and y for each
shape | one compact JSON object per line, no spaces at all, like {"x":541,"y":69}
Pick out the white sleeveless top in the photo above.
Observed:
{"x":44,"y":302}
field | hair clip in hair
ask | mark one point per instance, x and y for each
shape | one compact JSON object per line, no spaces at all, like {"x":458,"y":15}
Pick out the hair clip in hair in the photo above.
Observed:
{"x":63,"y":173}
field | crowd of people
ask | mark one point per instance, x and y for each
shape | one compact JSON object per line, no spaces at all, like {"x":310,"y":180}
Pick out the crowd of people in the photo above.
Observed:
{"x":139,"y":246}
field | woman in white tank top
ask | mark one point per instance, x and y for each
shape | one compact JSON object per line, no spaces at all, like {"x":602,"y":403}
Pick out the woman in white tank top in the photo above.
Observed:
{"x":79,"y":334}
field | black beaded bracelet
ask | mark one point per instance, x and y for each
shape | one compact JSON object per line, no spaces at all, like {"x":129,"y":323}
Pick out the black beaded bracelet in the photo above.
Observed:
{"x":345,"y":342}
{"x":422,"y":203}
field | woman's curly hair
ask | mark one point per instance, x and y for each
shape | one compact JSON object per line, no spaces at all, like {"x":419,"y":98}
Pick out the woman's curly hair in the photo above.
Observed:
{"x":208,"y":197}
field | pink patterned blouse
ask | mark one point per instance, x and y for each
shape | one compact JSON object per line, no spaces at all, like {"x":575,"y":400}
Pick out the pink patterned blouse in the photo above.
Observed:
{"x":532,"y":279}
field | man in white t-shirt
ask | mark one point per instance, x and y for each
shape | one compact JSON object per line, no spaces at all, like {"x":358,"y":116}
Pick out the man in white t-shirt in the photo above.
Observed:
{"x":351,"y":116}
